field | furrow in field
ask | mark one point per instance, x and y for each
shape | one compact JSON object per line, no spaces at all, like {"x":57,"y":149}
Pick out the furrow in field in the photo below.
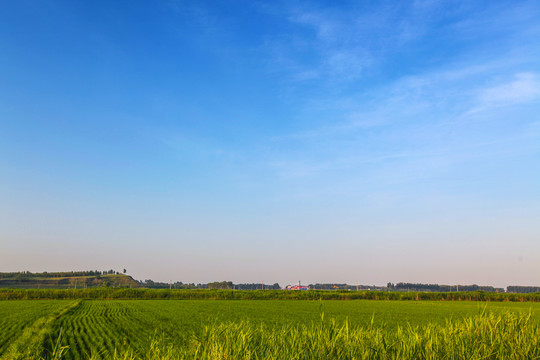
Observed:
{"x":31,"y":343}
{"x":15,"y":316}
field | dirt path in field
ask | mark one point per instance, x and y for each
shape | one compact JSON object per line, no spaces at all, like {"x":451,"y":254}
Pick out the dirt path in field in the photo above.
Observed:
{"x":31,"y":344}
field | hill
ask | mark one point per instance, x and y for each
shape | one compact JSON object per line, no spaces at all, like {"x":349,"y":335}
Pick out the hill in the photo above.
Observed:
{"x":66,"y":280}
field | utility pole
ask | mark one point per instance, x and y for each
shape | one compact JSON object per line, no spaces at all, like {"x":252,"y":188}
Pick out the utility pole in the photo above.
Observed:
{"x":170,"y":285}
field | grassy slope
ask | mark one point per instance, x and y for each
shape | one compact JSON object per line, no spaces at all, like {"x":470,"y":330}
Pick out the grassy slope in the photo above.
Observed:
{"x":112,"y":280}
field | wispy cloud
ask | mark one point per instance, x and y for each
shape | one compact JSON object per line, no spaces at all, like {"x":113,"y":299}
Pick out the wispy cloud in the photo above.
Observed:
{"x":346,"y":43}
{"x":421,"y":120}
{"x":524,"y":88}
{"x":420,"y":127}
{"x":330,"y":44}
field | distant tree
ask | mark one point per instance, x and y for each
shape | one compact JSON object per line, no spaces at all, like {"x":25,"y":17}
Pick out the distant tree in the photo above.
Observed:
{"x":523,"y":289}
{"x":220,"y":285}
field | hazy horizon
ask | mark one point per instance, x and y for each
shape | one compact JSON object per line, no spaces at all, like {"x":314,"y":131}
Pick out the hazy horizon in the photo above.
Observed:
{"x":358,"y":142}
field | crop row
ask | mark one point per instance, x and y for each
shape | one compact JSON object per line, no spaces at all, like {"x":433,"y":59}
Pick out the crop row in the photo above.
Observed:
{"x":15,"y":316}
{"x":99,"y":327}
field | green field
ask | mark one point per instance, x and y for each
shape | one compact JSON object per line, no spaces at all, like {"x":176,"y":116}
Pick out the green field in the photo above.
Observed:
{"x":91,"y":327}
{"x":15,"y":316}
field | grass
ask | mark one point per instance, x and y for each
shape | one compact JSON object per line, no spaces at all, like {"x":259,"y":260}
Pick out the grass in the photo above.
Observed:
{"x":164,"y":329}
{"x":484,"y":336}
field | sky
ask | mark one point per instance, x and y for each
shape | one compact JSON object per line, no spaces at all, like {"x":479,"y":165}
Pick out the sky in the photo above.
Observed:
{"x":348,"y":142}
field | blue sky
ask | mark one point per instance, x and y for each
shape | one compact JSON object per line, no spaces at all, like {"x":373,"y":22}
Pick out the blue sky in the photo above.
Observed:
{"x":272,"y":141}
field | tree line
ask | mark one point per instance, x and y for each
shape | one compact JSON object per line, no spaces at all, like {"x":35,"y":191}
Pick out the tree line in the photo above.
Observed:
{"x":59,"y":274}
{"x":404,"y":287}
{"x":441,"y":288}
{"x":523,"y":289}
{"x":344,"y":287}
{"x":224,"y":285}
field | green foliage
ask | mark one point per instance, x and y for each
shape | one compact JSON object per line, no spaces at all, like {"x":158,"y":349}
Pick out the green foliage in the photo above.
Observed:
{"x":523,"y":289}
{"x":220,"y":285}
{"x":218,"y":294}
{"x":443,"y":288}
{"x":29,"y":275}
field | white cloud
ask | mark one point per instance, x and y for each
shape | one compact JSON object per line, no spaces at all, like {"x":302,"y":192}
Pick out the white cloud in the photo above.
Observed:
{"x":524,"y":88}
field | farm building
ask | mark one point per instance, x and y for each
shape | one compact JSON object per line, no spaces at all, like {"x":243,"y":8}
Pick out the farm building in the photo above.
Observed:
{"x":297,"y":287}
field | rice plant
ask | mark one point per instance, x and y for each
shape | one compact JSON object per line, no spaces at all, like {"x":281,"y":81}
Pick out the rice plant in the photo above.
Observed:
{"x":484,"y":336}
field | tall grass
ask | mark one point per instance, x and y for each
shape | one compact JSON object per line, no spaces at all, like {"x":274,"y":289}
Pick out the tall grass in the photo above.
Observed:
{"x":484,"y":336}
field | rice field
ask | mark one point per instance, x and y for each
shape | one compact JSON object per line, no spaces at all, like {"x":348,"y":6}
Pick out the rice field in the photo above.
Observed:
{"x":206,"y":329}
{"x":15,"y":316}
